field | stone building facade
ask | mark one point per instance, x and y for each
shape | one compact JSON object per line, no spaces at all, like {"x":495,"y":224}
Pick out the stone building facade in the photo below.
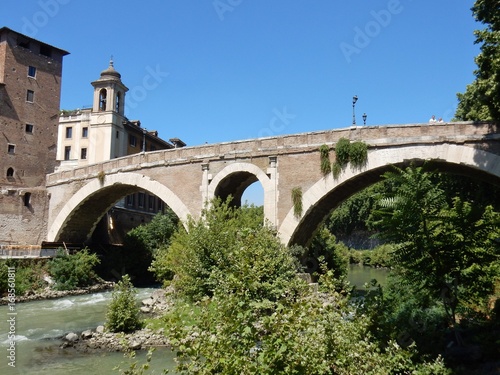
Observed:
{"x":101,"y":133}
{"x":30,"y":89}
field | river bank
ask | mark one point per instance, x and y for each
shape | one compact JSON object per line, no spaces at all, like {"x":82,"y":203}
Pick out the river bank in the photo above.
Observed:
{"x":49,"y":293}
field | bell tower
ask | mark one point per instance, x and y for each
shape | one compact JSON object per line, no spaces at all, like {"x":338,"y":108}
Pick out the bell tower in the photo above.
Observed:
{"x":107,"y":137}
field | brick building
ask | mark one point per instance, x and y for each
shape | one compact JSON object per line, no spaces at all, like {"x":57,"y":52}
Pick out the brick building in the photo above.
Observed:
{"x":30,"y":89}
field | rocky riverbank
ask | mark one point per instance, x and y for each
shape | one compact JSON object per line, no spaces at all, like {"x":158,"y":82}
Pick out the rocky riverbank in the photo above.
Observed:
{"x":49,"y":293}
{"x":99,"y":340}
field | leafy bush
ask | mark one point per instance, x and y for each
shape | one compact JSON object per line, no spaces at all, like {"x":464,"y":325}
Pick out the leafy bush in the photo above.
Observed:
{"x":73,"y":271}
{"x":342,"y":151}
{"x":123,"y":311}
{"x":326,"y":166}
{"x":196,"y":255}
{"x":29,"y":275}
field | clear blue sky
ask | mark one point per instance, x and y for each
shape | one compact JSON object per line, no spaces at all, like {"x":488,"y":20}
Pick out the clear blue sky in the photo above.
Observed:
{"x":223,"y":70}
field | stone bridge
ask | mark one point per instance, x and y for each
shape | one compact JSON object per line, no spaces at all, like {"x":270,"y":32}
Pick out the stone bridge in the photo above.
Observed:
{"x":186,"y":178}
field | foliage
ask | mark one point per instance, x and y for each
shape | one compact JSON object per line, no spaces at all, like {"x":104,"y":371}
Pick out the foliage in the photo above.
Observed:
{"x":326,"y":166}
{"x":253,"y":315}
{"x":352,"y":214}
{"x":29,"y":275}
{"x":196,"y":255}
{"x":448,"y":250}
{"x":358,"y":154}
{"x":345,"y":152}
{"x":144,"y":242}
{"x":481,"y":100}
{"x":123,"y":312}
{"x":380,"y":256}
{"x":153,"y":235}
{"x":326,"y":249}
{"x":297,"y":201}
{"x":73,"y":271}
{"x":342,"y":152}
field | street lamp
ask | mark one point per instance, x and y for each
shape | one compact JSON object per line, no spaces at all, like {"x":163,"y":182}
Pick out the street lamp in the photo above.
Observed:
{"x":364,"y":118}
{"x":354,"y":100}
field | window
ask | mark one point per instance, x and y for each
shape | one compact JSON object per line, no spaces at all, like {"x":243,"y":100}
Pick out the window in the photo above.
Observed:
{"x":29,"y":128}
{"x":152,"y":148}
{"x":27,"y":199}
{"x":30,"y":96}
{"x":117,"y":134}
{"x":45,"y":50}
{"x":10,"y":172}
{"x":69,"y":132}
{"x":141,"y":199}
{"x":130,"y":200}
{"x":85,"y":132}
{"x":83,"y":154}
{"x":151,"y":202}
{"x":11,"y":149}
{"x":31,"y":71}
{"x":102,"y":99}
{"x":133,"y":140}
{"x":67,"y":153}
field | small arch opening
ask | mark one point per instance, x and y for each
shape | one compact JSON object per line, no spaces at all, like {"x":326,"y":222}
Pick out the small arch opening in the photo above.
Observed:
{"x":10,"y":172}
{"x":102,"y":99}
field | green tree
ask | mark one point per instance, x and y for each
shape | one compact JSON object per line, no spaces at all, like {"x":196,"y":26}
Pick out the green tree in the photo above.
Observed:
{"x":196,"y":254}
{"x":123,"y":311}
{"x":71,"y":271}
{"x":258,"y":317}
{"x":448,"y":250}
{"x":481,"y":100}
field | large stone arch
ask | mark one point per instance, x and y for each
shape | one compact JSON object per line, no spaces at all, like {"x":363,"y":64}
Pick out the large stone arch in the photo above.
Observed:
{"x":79,"y":216}
{"x":236,"y":177}
{"x":328,"y":192}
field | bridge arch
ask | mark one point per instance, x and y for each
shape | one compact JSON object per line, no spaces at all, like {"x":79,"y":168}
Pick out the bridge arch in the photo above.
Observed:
{"x":328,"y":193}
{"x":77,"y":219}
{"x":236,"y":177}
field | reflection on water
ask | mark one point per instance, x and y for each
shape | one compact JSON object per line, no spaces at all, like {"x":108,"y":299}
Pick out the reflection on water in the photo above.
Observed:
{"x":359,"y":275}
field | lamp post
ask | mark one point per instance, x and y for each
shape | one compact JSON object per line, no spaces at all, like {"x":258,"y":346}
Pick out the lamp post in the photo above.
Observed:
{"x":354,"y":100}
{"x":364,"y":118}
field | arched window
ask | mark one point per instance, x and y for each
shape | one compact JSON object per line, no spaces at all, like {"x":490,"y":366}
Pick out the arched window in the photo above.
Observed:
{"x":102,"y":99}
{"x":10,"y":172}
{"x":118,"y":102}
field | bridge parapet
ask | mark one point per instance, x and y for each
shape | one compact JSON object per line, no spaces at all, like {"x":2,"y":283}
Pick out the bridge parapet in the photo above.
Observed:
{"x":374,"y":136}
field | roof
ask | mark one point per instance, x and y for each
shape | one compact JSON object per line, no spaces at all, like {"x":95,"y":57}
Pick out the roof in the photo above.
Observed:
{"x":5,"y":29}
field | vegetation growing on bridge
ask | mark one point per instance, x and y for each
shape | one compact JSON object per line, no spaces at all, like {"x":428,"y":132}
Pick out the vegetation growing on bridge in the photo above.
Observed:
{"x":346,"y":151}
{"x":297,"y":201}
{"x":326,"y":166}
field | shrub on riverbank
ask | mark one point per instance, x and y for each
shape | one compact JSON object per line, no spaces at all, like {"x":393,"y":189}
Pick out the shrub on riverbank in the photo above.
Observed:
{"x":73,"y":271}
{"x":123,"y":311}
{"x":29,"y":275}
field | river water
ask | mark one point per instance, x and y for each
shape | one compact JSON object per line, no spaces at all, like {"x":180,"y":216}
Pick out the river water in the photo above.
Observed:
{"x":40,"y":324}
